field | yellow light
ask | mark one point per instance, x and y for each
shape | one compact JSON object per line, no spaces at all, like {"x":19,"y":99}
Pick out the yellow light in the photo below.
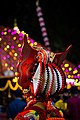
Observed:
{"x":0,"y":39}
{"x":75,"y":71}
{"x":11,"y":68}
{"x":14,"y":38}
{"x":63,"y":68}
{"x":23,"y":32}
{"x":15,"y":79}
{"x":18,"y":31}
{"x":27,"y":35}
{"x":5,"y":49}
{"x":19,"y":45}
{"x":35,"y":43}
{"x":69,"y":76}
{"x":16,"y":28}
{"x":6,"y":64}
{"x":15,"y":54}
{"x":5,"y":33}
{"x":66,"y":65}
{"x":28,"y":41}
{"x":70,"y":68}
{"x":7,"y":46}
{"x":31,"y":44}
{"x":68,"y":86}
{"x":16,"y":73}
{"x":76,"y":80}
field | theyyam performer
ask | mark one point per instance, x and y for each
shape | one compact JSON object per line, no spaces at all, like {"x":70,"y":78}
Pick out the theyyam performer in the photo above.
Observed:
{"x":40,"y":74}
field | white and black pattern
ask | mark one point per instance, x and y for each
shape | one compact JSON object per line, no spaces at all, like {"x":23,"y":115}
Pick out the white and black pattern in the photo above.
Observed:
{"x":46,"y":77}
{"x":51,"y":80}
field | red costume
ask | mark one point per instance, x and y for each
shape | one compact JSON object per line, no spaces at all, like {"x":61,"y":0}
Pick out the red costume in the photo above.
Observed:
{"x":40,"y":70}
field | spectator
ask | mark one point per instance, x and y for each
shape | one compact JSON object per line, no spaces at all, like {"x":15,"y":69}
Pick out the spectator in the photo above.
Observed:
{"x":73,"y":106}
{"x":61,"y":104}
{"x":15,"y":106}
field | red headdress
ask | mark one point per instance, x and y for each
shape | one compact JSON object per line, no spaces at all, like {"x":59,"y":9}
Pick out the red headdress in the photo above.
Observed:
{"x":37,"y":69}
{"x":40,"y":70}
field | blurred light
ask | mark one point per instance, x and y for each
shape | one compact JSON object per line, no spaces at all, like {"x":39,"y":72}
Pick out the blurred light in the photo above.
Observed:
{"x":12,"y":47}
{"x":14,"y":38}
{"x":19,"y":45}
{"x":15,"y":79}
{"x":66,"y":65}
{"x":23,"y":32}
{"x":69,"y":76}
{"x":66,"y":70}
{"x":16,"y":28}
{"x":15,"y":54}
{"x":18,"y":31}
{"x":16,"y":73}
{"x":11,"y":68}
{"x":6,"y":64}
{"x":20,"y":38}
{"x":5,"y":33}
{"x":70,"y":80}
{"x":7,"y":46}
{"x":78,"y":66}
{"x":14,"y":58}
{"x":70,"y":68}
{"x":31,"y":44}
{"x":35,"y":43}
{"x":19,"y":49}
{"x":5,"y":49}
{"x":2,"y":33}
{"x":32,"y":41}
{"x":5,"y":29}
{"x":9,"y":30}
{"x":0,"y":39}
{"x":63,"y":68}
{"x":4,"y":58}
{"x":68,"y":86}
{"x":28,"y":41}
{"x":72,"y":76}
{"x":5,"y":43}
{"x":75,"y":71}
{"x":13,"y":51}
{"x":75,"y":76}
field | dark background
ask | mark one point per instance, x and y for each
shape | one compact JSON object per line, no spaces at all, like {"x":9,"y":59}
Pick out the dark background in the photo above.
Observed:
{"x":62,"y":20}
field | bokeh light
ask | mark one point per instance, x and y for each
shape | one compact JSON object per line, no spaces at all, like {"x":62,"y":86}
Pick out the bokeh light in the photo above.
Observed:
{"x":11,"y":41}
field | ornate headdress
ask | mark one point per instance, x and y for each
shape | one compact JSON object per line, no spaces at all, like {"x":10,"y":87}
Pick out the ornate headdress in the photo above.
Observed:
{"x":40,"y":68}
{"x":40,"y":72}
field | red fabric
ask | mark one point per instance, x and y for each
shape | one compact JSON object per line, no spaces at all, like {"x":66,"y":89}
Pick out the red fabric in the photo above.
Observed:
{"x":60,"y":57}
{"x":26,"y":64}
{"x":41,"y":112}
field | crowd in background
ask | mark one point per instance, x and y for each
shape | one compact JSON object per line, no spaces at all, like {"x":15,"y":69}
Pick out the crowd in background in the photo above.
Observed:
{"x":66,"y":102}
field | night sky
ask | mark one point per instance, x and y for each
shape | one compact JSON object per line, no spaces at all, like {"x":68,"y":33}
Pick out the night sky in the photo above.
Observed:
{"x":62,"y":20}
